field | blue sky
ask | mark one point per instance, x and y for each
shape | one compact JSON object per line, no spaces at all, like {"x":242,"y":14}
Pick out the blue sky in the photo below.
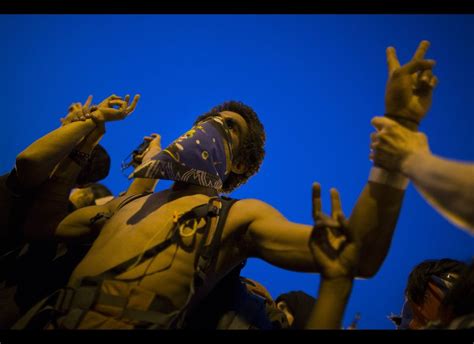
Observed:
{"x":315,"y":81}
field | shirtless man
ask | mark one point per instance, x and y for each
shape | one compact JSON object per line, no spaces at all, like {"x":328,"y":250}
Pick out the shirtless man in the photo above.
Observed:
{"x":161,"y":283}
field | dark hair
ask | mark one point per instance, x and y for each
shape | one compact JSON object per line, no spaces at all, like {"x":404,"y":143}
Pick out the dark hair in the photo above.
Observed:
{"x":421,"y":274}
{"x":251,"y":151}
{"x":300,"y":305}
{"x":96,"y":169}
{"x":100,"y":190}
{"x":460,"y":299}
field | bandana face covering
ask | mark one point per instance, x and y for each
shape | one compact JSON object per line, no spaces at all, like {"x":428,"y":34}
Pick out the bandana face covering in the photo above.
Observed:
{"x":201,"y":156}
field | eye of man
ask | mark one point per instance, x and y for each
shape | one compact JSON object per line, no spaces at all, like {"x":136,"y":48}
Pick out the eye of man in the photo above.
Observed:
{"x":230,"y":123}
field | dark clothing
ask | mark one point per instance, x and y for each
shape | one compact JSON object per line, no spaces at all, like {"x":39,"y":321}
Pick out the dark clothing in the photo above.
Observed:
{"x":231,"y":306}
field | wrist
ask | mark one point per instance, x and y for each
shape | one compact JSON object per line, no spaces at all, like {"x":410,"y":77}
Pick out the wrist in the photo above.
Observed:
{"x":340,"y":286}
{"x":409,"y":164}
{"x":405,"y":121}
{"x":395,"y":180}
{"x":98,"y":120}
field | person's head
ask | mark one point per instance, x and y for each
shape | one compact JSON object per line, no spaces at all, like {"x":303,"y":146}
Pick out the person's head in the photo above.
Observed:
{"x":94,"y":194}
{"x":297,"y":306}
{"x":96,"y":169}
{"x":428,"y":284}
{"x":248,"y":140}
{"x":459,"y":301}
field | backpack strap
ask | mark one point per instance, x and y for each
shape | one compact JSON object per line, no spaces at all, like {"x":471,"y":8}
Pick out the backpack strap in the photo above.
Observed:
{"x":88,"y":291}
{"x":206,"y":257}
{"x":208,"y":253}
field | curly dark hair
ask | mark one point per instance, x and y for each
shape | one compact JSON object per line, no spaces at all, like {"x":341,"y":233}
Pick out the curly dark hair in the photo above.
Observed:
{"x":251,"y":152}
{"x":420,"y":276}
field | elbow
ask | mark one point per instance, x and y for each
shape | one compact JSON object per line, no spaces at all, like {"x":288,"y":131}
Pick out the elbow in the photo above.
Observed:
{"x":25,"y":161}
{"x":367,"y":271}
{"x":26,"y":164}
{"x":28,"y":169}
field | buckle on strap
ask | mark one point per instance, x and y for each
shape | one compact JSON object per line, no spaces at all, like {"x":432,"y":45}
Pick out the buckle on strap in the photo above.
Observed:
{"x":215,"y":206}
{"x":64,"y":300}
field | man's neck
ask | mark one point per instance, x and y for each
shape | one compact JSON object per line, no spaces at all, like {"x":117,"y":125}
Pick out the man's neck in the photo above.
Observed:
{"x":191,"y":189}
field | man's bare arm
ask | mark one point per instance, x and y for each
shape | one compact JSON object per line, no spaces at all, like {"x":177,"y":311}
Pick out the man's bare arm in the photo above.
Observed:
{"x":84,"y":223}
{"x":407,"y":100}
{"x":51,"y":203}
{"x":338,"y":254}
{"x":141,"y":185}
{"x":35,"y":164}
{"x":447,"y":185}
{"x":271,"y":237}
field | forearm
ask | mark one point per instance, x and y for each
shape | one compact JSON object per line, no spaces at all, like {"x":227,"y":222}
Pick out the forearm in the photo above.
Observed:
{"x":330,"y":304}
{"x":375,"y":216}
{"x":51,"y":204}
{"x":35,"y":164}
{"x":447,"y":185}
{"x":373,"y":222}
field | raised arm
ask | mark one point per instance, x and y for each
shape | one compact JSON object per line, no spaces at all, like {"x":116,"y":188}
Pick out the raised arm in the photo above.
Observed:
{"x":141,"y":185}
{"x":338,"y":255}
{"x":36,"y":163}
{"x":446,"y":184}
{"x":374,"y":217}
{"x":51,"y":204}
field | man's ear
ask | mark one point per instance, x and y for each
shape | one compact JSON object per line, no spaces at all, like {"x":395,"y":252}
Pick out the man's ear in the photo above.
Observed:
{"x":281,"y":306}
{"x":239,"y":168}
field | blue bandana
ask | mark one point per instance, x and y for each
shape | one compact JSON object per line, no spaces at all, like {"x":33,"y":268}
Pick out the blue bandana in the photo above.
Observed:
{"x":201,"y":156}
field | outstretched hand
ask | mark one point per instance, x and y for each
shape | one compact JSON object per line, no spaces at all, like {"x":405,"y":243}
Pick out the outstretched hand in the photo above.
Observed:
{"x":410,"y":87}
{"x":331,"y":245}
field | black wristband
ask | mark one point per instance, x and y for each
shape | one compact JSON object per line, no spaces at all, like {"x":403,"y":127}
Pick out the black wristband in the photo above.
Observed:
{"x":79,"y":157}
{"x":408,"y":123}
{"x":395,"y":117}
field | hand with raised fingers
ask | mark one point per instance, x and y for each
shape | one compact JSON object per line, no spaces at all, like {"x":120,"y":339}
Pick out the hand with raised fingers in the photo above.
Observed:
{"x":77,"y":112}
{"x":331,"y":244}
{"x":392,"y":144}
{"x":154,"y":147}
{"x":409,"y":87}
{"x":113,"y":108}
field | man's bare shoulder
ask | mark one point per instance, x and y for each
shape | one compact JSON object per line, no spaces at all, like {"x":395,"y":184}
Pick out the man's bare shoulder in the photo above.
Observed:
{"x":252,"y":208}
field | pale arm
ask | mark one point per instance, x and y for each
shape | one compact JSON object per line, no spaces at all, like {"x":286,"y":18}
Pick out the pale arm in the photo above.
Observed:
{"x":446,"y":184}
